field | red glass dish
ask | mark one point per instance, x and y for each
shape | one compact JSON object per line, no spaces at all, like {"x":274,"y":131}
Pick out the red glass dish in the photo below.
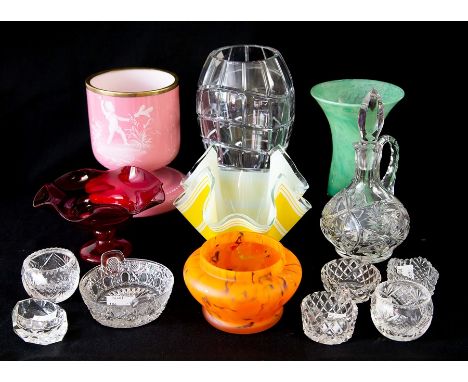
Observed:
{"x":100,"y":200}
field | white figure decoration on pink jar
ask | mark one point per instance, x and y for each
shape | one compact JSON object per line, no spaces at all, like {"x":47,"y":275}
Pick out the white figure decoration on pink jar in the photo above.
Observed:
{"x":134,"y":119}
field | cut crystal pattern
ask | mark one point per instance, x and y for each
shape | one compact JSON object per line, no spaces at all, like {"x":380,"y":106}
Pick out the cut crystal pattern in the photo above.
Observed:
{"x":51,"y":274}
{"x":401,"y":310}
{"x":127,"y":294}
{"x":365,"y":220}
{"x":358,"y":277}
{"x":328,"y":318}
{"x":245,"y":104}
{"x":417,"y":269}
{"x":39,"y":321}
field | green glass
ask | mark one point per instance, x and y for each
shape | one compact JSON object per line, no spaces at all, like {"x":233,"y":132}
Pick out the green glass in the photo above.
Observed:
{"x":341,"y":100}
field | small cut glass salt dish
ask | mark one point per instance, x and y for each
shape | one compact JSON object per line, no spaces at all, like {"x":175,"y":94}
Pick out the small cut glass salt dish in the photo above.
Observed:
{"x":417,"y":269}
{"x":329,"y":318}
{"x":358,"y":277}
{"x":401,"y":310}
{"x":51,"y":274}
{"x":39,"y":321}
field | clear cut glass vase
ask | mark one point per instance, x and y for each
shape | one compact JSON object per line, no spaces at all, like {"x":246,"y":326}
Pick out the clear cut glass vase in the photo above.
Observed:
{"x":366,"y":220}
{"x":245,"y":105}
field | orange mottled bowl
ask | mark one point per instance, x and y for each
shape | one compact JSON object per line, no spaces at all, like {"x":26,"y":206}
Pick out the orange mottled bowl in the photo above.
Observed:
{"x":242,"y":280}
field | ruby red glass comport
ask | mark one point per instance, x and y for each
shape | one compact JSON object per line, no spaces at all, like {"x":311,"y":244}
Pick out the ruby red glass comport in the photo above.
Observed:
{"x":100,"y":200}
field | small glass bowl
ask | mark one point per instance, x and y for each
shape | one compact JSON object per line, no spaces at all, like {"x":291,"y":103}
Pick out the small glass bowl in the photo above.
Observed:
{"x":401,"y":310}
{"x":39,"y":321}
{"x":51,"y":274}
{"x":329,"y":318}
{"x":360,"y":278}
{"x":126,"y":293}
{"x":417,"y":269}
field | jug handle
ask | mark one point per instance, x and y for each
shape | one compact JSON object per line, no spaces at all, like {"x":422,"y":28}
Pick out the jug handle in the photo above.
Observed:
{"x":388,"y":181}
{"x":371,"y":100}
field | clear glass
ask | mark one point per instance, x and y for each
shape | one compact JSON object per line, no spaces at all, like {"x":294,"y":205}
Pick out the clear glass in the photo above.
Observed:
{"x":40,"y":322}
{"x":51,"y":274}
{"x":358,"y":277}
{"x":401,"y":310}
{"x":245,"y":104}
{"x":365,"y":220}
{"x":126,"y":293}
{"x":329,"y":318}
{"x":341,"y":100}
{"x":417,"y":269}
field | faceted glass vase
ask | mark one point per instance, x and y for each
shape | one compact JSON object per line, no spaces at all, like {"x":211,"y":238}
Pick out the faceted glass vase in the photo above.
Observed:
{"x":245,"y":104}
{"x":341,"y":100}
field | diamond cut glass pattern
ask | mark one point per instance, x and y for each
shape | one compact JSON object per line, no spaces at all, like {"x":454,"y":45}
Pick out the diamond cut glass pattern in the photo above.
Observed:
{"x":357,"y":277}
{"x":328,"y":318}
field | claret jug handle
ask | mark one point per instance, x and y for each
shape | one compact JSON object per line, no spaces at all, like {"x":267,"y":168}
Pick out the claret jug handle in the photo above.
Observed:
{"x":388,"y":181}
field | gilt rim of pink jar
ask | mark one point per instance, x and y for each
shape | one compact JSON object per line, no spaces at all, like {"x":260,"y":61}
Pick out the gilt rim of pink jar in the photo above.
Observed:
{"x":224,"y":273}
{"x":142,"y":93}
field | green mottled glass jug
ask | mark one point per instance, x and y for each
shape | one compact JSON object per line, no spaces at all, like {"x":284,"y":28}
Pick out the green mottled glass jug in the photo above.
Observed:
{"x":341,"y":100}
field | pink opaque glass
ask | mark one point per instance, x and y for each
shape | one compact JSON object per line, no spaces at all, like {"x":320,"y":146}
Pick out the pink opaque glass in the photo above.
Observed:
{"x":100,"y":200}
{"x":134,"y":119}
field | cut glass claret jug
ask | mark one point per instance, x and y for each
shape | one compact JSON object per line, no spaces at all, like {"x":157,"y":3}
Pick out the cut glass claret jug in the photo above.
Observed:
{"x":365,"y":220}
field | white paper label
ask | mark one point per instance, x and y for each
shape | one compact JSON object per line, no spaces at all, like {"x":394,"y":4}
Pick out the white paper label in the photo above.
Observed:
{"x":335,"y":316}
{"x":119,"y":300}
{"x":406,"y":270}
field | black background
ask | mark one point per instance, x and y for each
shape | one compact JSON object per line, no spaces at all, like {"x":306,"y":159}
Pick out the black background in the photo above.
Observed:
{"x":45,"y":133}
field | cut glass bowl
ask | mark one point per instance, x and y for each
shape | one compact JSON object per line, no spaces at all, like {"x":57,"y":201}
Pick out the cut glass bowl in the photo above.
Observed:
{"x":358,"y":277}
{"x":126,"y":293}
{"x":417,"y":269}
{"x":401,"y":310}
{"x":51,"y":274}
{"x":39,"y":321}
{"x":329,"y":318}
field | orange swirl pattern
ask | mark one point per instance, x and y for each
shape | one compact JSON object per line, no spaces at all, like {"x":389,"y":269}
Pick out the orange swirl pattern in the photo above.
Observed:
{"x":242,"y":280}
